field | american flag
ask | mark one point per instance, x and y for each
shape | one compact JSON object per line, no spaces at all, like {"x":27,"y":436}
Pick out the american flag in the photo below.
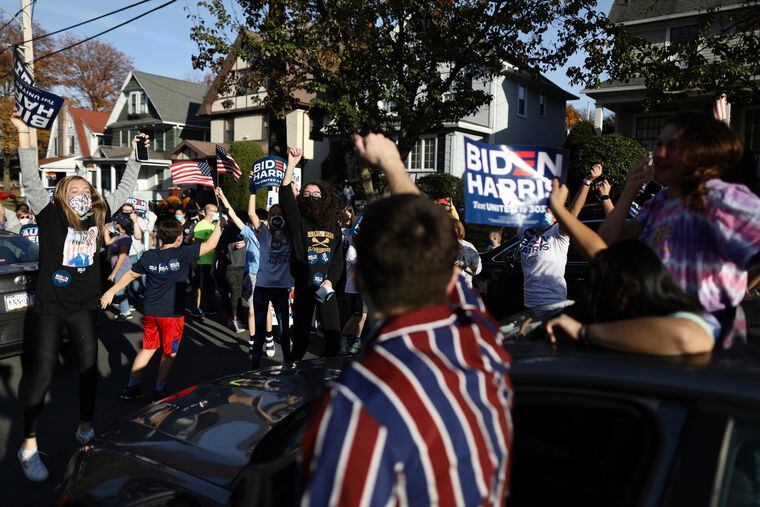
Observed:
{"x":722,"y":109}
{"x":192,"y":172}
{"x":225,"y":162}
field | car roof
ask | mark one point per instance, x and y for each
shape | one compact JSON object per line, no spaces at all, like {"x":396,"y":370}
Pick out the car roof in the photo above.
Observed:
{"x":731,"y":376}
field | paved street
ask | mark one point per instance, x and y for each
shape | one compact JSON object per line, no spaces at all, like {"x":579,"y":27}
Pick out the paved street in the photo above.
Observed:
{"x":209,"y":350}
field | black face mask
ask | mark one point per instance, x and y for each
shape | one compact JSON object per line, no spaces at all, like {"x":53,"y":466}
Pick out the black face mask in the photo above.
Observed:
{"x":310,"y":207}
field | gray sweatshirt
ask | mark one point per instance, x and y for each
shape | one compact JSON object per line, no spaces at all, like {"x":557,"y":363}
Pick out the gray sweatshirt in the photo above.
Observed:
{"x":37,"y":197}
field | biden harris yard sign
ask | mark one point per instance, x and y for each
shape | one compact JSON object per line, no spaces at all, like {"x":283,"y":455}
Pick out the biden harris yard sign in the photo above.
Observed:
{"x":267,"y":172}
{"x":509,"y":185}
{"x":37,"y":108}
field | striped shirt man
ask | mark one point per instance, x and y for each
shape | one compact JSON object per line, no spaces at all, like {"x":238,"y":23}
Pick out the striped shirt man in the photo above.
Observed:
{"x":423,"y":418}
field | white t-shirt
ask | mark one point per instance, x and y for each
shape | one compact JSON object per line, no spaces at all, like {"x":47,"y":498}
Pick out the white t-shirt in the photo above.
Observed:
{"x":274,"y":259}
{"x":469,"y":260}
{"x":351,"y":287}
{"x":544,"y":256}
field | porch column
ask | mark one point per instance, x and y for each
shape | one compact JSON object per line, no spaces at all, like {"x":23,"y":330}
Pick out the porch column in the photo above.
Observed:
{"x":598,"y":119}
{"x":113,"y":179}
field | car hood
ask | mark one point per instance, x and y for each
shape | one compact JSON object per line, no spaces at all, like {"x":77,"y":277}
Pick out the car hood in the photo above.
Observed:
{"x":211,"y":430}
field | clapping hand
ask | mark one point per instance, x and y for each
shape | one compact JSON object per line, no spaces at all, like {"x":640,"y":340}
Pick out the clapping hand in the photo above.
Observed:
{"x":595,"y":172}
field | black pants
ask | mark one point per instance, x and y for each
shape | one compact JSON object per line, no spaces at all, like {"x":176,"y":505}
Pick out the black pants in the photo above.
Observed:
{"x":279,"y":298}
{"x":203,"y":280}
{"x":45,"y":342}
{"x":231,"y":288}
{"x":329,"y":318}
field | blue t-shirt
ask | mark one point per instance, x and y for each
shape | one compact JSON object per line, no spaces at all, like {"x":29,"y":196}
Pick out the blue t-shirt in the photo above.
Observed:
{"x":166,"y":281}
{"x":251,"y":250}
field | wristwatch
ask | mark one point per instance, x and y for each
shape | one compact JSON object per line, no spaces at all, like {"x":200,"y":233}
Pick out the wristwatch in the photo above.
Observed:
{"x":604,"y":197}
{"x":588,"y":182}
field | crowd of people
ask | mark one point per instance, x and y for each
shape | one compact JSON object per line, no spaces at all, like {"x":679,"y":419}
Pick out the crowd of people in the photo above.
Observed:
{"x":428,"y":395}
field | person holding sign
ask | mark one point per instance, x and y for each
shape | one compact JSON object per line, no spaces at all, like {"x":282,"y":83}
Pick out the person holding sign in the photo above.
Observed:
{"x":316,"y":259}
{"x":71,"y":230}
{"x":543,"y":252}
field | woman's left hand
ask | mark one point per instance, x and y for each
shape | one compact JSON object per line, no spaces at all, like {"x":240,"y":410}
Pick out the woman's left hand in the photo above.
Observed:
{"x":568,"y":325}
{"x":112,"y":277}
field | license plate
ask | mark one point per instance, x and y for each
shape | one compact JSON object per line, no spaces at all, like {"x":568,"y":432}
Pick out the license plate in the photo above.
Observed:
{"x":18,"y":301}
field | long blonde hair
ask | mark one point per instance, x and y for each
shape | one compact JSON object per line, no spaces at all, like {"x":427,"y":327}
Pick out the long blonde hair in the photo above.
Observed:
{"x":61,"y":200}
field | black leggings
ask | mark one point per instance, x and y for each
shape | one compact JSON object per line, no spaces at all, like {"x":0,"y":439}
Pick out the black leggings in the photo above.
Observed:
{"x":303,"y":311}
{"x":45,"y":342}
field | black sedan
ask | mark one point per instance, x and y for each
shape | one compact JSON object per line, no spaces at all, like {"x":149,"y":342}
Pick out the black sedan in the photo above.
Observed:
{"x":18,"y":279}
{"x":592,"y":428}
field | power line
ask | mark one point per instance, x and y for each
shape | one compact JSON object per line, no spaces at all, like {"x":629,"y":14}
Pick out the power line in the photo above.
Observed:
{"x":17,"y":13}
{"x":78,"y":24}
{"x":53,"y":53}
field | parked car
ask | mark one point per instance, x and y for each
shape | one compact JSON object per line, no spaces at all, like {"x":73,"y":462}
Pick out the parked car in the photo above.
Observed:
{"x":591,"y":428}
{"x":500,"y":283}
{"x":18,"y":279}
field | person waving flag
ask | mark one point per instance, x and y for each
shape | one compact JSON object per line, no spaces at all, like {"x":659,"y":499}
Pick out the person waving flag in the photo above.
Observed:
{"x":225,"y":163}
{"x":192,"y":172}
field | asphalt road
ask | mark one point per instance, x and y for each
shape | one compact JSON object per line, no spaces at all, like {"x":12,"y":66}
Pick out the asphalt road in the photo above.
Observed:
{"x":209,"y":350}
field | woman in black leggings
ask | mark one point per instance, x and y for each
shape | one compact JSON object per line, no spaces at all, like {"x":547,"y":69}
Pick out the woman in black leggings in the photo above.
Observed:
{"x":71,"y":229}
{"x":316,"y":260}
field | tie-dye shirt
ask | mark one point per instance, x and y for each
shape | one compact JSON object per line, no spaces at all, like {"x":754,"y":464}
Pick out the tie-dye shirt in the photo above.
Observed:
{"x":707,"y":252}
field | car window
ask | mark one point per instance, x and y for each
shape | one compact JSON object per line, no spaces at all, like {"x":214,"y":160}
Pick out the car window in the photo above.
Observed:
{"x":740,"y":484}
{"x":15,"y":249}
{"x":580,"y":450}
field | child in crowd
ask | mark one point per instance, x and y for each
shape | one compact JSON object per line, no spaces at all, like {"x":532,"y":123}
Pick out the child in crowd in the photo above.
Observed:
{"x":166,"y":272}
{"x":118,"y":254}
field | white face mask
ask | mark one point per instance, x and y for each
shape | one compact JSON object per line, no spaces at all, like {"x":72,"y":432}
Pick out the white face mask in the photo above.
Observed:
{"x":215,"y":217}
{"x":24,"y":221}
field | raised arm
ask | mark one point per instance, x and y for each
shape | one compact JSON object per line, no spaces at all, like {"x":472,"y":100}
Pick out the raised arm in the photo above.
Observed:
{"x":587,"y":240}
{"x":255,"y":222}
{"x":129,"y":179}
{"x":603,"y":190}
{"x":231,"y":212}
{"x":118,"y":286}
{"x":615,"y":226}
{"x":379,"y":151}
{"x":294,"y":156}
{"x":36,"y":195}
{"x":212,"y":240}
{"x":580,"y":198}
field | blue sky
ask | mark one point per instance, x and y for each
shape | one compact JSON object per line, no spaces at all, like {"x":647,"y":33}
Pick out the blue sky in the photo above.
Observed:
{"x":159,"y":43}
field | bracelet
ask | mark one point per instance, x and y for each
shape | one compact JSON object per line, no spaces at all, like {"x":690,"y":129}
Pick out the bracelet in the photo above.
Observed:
{"x":583,"y":335}
{"x":588,"y":182}
{"x":604,"y":197}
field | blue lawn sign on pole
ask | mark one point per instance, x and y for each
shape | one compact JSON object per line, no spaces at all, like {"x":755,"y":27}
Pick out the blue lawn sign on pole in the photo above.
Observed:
{"x":509,"y":185}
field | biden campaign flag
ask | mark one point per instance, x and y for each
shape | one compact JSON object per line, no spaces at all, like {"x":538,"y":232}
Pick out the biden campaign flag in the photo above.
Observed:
{"x":267,"y":172}
{"x":37,"y":108}
{"x":509,"y":185}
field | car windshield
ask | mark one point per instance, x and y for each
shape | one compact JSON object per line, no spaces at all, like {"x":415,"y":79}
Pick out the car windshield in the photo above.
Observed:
{"x":16,"y":249}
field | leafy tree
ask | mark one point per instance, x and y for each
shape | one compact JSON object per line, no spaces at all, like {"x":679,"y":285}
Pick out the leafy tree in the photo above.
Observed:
{"x":92,"y":73}
{"x":721,"y":57}
{"x":245,"y":154}
{"x":406,"y":68}
{"x":616,"y":152}
{"x":580,"y":135}
{"x":572,"y":116}
{"x":440,"y":185}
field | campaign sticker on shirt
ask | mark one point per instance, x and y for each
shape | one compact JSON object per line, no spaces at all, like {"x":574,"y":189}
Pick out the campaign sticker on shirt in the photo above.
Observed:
{"x":173,"y":265}
{"x":61,"y":278}
{"x":153,"y":268}
{"x":81,"y":270}
{"x":162,"y":268}
{"x":312,"y":257}
{"x":325,"y":257}
{"x":318,"y":278}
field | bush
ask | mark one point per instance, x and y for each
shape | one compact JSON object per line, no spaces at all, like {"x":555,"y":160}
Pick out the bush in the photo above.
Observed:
{"x":616,"y":152}
{"x":245,"y":154}
{"x":440,"y":185}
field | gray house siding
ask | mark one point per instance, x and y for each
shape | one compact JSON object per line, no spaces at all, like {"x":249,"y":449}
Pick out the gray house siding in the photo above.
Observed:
{"x":532,"y":128}
{"x":483,"y":115}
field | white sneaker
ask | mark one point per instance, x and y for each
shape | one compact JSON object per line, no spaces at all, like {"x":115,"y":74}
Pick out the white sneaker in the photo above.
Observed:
{"x":85,"y":437}
{"x":269,"y":346}
{"x":34,"y":469}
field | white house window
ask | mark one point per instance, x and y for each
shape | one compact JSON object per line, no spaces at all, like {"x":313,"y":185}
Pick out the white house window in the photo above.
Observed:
{"x":229,"y":130}
{"x":72,"y":145}
{"x":422,"y":157}
{"x":522,"y":100}
{"x":69,"y":123}
{"x":541,"y":105}
{"x":137,"y":103}
{"x":159,"y":141}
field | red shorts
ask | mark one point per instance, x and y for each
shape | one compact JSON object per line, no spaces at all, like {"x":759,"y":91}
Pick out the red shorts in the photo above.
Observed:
{"x":163,"y":331}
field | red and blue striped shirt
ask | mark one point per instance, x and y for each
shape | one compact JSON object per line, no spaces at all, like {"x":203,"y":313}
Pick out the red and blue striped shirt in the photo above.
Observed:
{"x":422,"y":418}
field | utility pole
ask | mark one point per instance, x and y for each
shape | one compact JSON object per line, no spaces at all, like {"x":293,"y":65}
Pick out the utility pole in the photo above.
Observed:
{"x":26,"y":24}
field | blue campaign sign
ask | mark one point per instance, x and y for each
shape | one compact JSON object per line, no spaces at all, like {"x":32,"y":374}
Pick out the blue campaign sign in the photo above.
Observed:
{"x":37,"y":108}
{"x":509,"y":185}
{"x":267,"y":172}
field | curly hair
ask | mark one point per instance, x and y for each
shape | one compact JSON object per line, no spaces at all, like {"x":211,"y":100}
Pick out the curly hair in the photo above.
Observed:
{"x":324,"y":212}
{"x":706,"y":147}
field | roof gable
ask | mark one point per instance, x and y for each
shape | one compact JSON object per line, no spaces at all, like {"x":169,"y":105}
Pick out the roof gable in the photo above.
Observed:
{"x":623,"y":11}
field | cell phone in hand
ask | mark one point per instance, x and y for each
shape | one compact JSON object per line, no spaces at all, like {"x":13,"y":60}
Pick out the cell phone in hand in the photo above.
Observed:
{"x":142,"y":148}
